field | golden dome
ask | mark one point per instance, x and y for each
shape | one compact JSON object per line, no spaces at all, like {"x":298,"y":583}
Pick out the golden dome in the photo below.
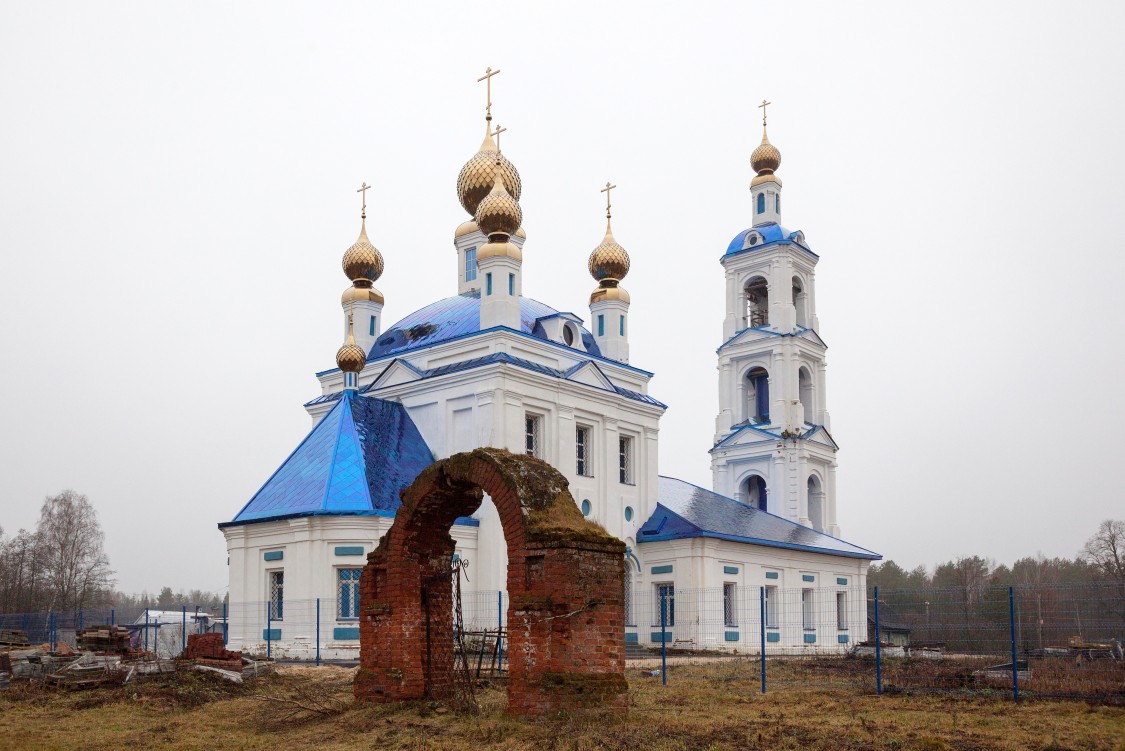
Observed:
{"x":609,"y":290}
{"x":351,"y":357}
{"x":609,"y":260}
{"x":494,"y":249}
{"x":465,"y":228}
{"x":766,"y":158}
{"x":520,"y":233}
{"x":361,"y":294}
{"x":498,"y":212}
{"x":476,"y":177}
{"x":362,"y":260}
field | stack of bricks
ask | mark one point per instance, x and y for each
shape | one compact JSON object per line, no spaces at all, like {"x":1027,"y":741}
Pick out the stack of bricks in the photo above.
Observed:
{"x":208,"y":649}
{"x":566,"y":629}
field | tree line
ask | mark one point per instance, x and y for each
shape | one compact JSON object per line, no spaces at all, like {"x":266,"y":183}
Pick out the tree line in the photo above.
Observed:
{"x":61,"y":565}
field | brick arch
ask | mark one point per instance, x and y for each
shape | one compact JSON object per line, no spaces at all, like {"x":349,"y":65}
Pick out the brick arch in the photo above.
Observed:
{"x":566,"y":628}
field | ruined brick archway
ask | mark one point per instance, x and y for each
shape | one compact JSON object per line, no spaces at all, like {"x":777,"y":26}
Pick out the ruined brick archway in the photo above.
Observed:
{"x":566,"y":632}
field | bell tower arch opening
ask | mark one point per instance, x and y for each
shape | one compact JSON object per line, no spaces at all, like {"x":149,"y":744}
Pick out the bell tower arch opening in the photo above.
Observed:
{"x":757,"y":297}
{"x":808,"y":395}
{"x":556,"y":620}
{"x":758,"y":395}
{"x":754,"y":492}
{"x":816,"y":502}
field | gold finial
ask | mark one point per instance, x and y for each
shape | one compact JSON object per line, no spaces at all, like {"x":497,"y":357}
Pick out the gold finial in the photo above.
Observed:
{"x":487,"y":77}
{"x":497,"y":132}
{"x":762,"y":107}
{"x":350,"y":358}
{"x":606,"y":190}
{"x":363,"y":189}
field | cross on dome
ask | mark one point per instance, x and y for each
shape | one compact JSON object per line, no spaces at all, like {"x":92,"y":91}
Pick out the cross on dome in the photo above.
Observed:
{"x":487,"y":78}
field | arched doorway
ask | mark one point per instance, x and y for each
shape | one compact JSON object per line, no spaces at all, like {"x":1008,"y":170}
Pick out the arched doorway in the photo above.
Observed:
{"x":565,"y":590}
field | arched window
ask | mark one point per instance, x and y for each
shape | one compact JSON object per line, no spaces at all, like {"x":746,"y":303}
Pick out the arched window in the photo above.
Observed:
{"x":816,"y":503}
{"x":757,"y":293}
{"x":808,"y":395}
{"x":761,"y":203}
{"x":800,"y":302}
{"x":758,"y":395}
{"x":754,"y":491}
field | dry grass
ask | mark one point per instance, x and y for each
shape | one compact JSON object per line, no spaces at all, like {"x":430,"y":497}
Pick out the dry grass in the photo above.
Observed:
{"x":697,"y":710}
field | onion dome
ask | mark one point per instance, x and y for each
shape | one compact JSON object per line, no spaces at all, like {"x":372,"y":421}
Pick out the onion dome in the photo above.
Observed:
{"x":504,"y":248}
{"x":350,"y":358}
{"x":609,"y":260}
{"x":477,"y":176}
{"x":498,"y":212}
{"x":362,"y":261}
{"x":765,"y":160}
{"x":609,"y":289}
{"x":360,"y":294}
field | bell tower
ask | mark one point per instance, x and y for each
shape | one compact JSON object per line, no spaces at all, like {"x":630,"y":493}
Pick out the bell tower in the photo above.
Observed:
{"x":772,"y":446}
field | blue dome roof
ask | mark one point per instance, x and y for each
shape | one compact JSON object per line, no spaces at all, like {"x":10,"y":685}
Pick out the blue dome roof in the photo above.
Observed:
{"x":770,"y":232}
{"x":458,"y":316}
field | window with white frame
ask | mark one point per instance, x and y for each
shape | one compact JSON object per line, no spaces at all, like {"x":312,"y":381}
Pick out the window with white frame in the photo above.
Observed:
{"x":808,"y":620}
{"x":277,"y":594}
{"x":470,"y":264}
{"x":842,"y":610}
{"x":773,"y":606}
{"x":666,"y":604}
{"x":582,"y":451}
{"x":730,"y":604}
{"x":625,"y":459}
{"x":347,"y":593}
{"x":532,"y":435}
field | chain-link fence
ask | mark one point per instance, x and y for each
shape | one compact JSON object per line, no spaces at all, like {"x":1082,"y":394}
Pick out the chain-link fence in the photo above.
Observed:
{"x":1062,"y":641}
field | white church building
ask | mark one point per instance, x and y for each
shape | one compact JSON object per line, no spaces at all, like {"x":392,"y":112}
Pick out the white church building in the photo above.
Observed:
{"x":492,"y":366}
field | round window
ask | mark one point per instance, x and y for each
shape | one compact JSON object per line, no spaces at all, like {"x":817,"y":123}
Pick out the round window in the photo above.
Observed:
{"x":568,"y":336}
{"x":628,"y":513}
{"x":585,"y":508}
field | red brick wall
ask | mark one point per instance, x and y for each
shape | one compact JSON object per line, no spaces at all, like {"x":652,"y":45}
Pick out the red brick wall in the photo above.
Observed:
{"x":566,"y":642}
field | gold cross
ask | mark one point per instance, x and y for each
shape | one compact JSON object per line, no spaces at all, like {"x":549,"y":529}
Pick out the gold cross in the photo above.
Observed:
{"x":497,"y":133}
{"x":762,"y":107}
{"x":608,"y":187}
{"x":487,"y":77}
{"x":363,"y":189}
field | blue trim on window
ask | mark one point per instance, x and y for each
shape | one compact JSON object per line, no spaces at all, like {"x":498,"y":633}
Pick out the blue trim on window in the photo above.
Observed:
{"x":662,"y":569}
{"x":808,"y":578}
{"x":632,"y":638}
{"x":841,"y":580}
{"x":730,"y":569}
{"x":271,"y":634}
{"x":586,"y":507}
{"x":772,"y":637}
{"x":773,"y":575}
{"x":656,"y":636}
{"x":470,"y":264}
{"x":601,"y":325}
{"x":511,"y":284}
{"x":343,"y":633}
{"x":349,"y":550}
{"x":761,"y":203}
{"x":730,"y":636}
{"x":621,"y":323}
{"x":371,"y":328}
{"x":488,"y":282}
{"x":273,"y":555}
{"x":842,"y":638}
{"x":628,"y":513}
{"x":810,"y":638}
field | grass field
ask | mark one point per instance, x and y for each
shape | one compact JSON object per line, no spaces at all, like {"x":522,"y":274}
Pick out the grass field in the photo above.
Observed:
{"x":305,"y":707}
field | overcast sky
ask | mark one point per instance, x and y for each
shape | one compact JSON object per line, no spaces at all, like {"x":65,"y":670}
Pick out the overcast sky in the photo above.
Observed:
{"x":177,"y":185}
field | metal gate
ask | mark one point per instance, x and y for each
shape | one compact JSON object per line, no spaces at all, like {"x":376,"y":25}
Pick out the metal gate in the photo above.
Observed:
{"x":446,"y":668}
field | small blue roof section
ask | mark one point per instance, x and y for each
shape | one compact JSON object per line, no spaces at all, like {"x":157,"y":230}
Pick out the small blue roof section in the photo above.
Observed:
{"x":458,"y":316}
{"x":684,"y":510}
{"x":355,"y":461}
{"x":771,"y":233}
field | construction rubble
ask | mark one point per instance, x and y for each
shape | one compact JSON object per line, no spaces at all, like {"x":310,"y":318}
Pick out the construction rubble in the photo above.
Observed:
{"x":106,"y":656}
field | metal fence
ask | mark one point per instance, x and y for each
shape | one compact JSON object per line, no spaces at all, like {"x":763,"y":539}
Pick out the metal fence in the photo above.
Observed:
{"x":1060,"y":641}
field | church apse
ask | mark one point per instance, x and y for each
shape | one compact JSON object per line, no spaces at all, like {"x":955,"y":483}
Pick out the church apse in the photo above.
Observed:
{"x":566,"y":625}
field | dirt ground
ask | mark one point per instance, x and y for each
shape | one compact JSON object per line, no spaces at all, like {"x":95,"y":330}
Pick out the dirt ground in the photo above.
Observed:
{"x":702,"y":708}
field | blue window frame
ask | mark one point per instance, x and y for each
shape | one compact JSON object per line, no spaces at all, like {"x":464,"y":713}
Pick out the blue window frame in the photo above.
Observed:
{"x":488,"y":283}
{"x":601,"y":325}
{"x":621,"y":324}
{"x":470,"y":264}
{"x":371,"y":328}
{"x":777,"y":202}
{"x":347,"y":588}
{"x":666,"y":602}
{"x":761,"y":203}
{"x":511,"y":284}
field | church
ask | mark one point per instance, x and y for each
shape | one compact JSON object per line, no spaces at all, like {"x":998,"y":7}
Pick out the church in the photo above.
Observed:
{"x":491,"y":365}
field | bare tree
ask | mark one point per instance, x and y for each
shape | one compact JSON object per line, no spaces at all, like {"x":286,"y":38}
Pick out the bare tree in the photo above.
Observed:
{"x":71,"y":539}
{"x":1106,"y":550}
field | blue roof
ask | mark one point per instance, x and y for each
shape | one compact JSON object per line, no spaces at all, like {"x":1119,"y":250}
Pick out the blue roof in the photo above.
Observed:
{"x":355,"y":461}
{"x":771,"y":233}
{"x":684,"y":510}
{"x":457,"y":316}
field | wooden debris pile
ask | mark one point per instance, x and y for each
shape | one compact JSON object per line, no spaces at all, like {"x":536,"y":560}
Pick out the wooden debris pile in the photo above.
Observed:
{"x":13,"y":638}
{"x":114,"y":640}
